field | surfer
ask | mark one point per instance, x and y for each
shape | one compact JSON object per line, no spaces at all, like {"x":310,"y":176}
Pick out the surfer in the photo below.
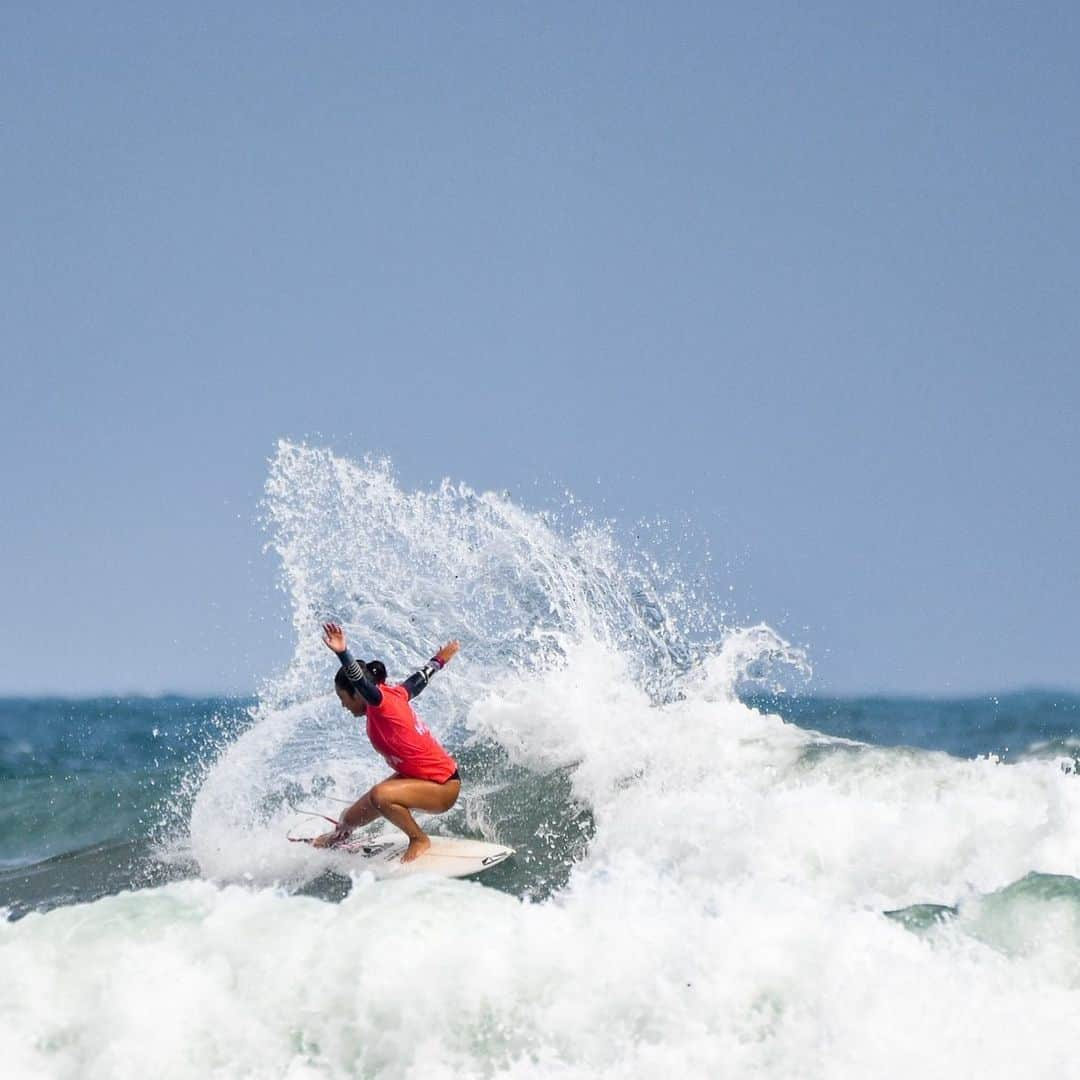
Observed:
{"x":425,"y":775}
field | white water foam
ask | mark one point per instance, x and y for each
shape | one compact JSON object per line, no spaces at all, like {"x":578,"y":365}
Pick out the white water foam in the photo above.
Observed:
{"x":726,"y":919}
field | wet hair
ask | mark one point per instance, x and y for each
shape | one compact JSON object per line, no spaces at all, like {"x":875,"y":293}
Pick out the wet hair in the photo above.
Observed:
{"x":376,"y":671}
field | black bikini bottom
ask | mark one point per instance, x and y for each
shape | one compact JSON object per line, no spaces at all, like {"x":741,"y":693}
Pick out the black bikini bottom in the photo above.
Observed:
{"x":456,"y":776}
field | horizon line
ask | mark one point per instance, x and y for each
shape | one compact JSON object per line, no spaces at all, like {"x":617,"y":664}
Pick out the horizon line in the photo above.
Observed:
{"x":835,"y":694}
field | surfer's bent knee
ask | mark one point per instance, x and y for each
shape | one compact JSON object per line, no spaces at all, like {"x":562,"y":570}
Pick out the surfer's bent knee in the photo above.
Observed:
{"x":380,"y":798}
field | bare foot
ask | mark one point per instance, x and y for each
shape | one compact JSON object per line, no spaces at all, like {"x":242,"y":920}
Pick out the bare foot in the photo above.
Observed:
{"x":417,"y":846}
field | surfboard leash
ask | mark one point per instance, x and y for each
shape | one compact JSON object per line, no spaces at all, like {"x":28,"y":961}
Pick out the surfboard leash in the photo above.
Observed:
{"x":307,"y":813}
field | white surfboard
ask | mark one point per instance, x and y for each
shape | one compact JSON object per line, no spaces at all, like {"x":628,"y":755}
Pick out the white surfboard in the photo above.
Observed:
{"x":448,"y":856}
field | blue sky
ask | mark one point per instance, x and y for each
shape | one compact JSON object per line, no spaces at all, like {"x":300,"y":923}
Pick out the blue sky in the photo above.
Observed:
{"x":807,"y":278}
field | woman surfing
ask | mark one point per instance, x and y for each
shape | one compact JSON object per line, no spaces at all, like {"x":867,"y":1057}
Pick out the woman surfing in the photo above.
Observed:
{"x":425,"y":776}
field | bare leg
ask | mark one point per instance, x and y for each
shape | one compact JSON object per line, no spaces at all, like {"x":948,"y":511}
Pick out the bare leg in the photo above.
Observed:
{"x":395,"y":798}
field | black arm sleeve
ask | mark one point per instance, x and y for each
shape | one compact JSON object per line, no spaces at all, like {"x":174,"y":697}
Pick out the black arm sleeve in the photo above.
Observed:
{"x":419,"y":679}
{"x":359,"y":679}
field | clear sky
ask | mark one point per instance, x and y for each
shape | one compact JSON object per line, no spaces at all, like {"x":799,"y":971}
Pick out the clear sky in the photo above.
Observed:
{"x":807,"y":275}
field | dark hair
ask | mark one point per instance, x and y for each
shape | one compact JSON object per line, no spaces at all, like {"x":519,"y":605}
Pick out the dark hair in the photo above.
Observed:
{"x":376,"y":672}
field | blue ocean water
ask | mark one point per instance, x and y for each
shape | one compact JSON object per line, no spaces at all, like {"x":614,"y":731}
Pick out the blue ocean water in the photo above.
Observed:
{"x":1006,"y":725}
{"x":88,"y":786}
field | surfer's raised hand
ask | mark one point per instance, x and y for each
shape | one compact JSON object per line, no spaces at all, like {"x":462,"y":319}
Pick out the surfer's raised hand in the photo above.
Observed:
{"x":447,"y":653}
{"x":334,"y":637}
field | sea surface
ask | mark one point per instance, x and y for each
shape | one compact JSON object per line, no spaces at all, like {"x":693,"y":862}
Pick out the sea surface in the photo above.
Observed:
{"x":719,"y":872}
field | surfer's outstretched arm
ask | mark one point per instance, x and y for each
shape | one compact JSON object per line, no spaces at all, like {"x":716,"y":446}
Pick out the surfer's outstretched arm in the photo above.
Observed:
{"x":419,"y":679}
{"x":358,"y":675}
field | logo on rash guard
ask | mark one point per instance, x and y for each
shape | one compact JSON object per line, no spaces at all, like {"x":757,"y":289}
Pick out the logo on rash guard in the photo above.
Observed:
{"x":421,"y":727}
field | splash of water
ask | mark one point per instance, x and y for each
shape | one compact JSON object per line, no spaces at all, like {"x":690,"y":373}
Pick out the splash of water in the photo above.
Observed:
{"x":402,"y":570}
{"x":530,"y":597}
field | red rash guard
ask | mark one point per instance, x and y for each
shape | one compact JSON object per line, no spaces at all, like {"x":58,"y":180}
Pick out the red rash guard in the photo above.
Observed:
{"x":404,"y":740}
